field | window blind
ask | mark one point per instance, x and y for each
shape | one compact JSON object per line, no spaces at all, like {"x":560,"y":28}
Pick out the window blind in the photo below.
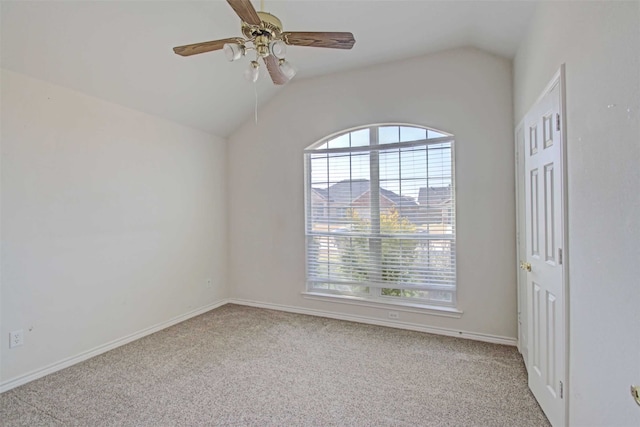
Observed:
{"x":380,"y":214}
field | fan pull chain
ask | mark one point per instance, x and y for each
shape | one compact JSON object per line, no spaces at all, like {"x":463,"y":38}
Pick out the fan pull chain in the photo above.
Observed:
{"x":255,"y":91}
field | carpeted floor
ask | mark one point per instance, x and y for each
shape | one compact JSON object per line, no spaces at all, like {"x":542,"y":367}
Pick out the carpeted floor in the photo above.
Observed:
{"x":246,"y":366}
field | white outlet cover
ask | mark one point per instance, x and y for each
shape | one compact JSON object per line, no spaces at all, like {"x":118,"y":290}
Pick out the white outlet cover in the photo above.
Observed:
{"x":16,"y":338}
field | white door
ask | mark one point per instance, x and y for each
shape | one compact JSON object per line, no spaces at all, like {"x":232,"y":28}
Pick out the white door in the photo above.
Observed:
{"x":544,"y":222}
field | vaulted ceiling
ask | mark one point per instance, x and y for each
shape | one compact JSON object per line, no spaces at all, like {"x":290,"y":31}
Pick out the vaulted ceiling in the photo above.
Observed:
{"x":121,"y":51}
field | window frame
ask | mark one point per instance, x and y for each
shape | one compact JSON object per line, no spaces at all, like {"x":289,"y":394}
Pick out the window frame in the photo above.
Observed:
{"x":374,"y":293}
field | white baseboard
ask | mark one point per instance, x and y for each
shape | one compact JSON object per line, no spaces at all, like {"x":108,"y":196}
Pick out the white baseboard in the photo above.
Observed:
{"x":65,"y":363}
{"x":495,"y":339}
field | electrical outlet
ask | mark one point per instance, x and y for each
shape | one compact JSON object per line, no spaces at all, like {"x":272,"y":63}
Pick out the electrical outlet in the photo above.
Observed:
{"x":209,"y":283}
{"x":394,"y":315}
{"x":16,"y":338}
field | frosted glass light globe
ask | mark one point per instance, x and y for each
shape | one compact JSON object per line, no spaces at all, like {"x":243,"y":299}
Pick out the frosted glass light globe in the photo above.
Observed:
{"x":233,"y":51}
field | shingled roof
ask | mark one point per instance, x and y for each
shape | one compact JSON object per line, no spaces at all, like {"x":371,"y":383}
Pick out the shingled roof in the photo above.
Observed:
{"x":346,"y":191}
{"x":433,"y":196}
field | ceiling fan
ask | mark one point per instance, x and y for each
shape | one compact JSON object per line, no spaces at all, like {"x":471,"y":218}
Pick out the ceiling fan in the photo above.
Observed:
{"x":263,"y":33}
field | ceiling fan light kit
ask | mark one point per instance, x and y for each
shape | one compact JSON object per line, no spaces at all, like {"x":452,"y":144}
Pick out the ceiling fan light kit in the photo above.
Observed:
{"x":263,"y":33}
{"x":288,"y":69}
{"x":278,"y":48}
{"x":233,"y":51}
{"x":252,"y":73}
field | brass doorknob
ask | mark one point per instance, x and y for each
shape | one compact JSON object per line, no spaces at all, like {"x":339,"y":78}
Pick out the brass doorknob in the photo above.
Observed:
{"x":525,"y":266}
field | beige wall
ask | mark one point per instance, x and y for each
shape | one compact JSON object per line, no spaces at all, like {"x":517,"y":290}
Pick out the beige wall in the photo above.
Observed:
{"x":112,"y":221}
{"x":465,"y":92}
{"x":600,"y":44}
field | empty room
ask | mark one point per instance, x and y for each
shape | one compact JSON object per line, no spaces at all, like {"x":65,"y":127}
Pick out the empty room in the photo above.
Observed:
{"x":319,"y":213}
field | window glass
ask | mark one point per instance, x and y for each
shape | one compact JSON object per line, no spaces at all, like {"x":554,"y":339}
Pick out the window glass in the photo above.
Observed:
{"x":341,"y":141}
{"x":412,"y":134}
{"x":360,"y":138}
{"x":388,"y":134}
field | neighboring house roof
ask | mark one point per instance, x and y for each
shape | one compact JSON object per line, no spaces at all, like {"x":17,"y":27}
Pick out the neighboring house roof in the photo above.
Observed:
{"x":433,"y":196}
{"x":321,"y":192}
{"x":397,"y":199}
{"x":347,"y":191}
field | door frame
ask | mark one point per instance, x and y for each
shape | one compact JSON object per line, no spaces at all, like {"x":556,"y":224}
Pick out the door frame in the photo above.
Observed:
{"x":559,"y":79}
{"x":520,"y":243}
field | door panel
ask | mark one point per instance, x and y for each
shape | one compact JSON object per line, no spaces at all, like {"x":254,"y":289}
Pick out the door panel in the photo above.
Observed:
{"x":535,"y":214}
{"x":535,"y":325}
{"x":549,"y":201}
{"x":551,"y":308}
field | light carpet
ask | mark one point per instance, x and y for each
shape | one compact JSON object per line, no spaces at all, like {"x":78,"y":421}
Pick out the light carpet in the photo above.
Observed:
{"x":239,"y":366}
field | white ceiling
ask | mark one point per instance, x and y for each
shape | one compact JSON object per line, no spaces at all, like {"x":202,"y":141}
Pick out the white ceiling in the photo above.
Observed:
{"x":120,"y":51}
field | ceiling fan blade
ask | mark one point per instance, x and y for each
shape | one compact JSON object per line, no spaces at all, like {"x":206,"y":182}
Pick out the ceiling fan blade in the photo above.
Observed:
{"x":196,"y":48}
{"x":245,"y":11}
{"x":273,"y":65}
{"x":335,"y":40}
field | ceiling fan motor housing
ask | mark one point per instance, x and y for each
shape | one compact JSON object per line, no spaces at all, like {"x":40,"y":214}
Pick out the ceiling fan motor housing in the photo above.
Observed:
{"x":270,"y":26}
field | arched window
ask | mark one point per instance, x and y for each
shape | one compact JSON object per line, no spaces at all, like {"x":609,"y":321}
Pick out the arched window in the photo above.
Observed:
{"x":380,"y":215}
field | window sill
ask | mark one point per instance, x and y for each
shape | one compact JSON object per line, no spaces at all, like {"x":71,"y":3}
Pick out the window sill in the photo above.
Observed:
{"x":433,"y":310}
